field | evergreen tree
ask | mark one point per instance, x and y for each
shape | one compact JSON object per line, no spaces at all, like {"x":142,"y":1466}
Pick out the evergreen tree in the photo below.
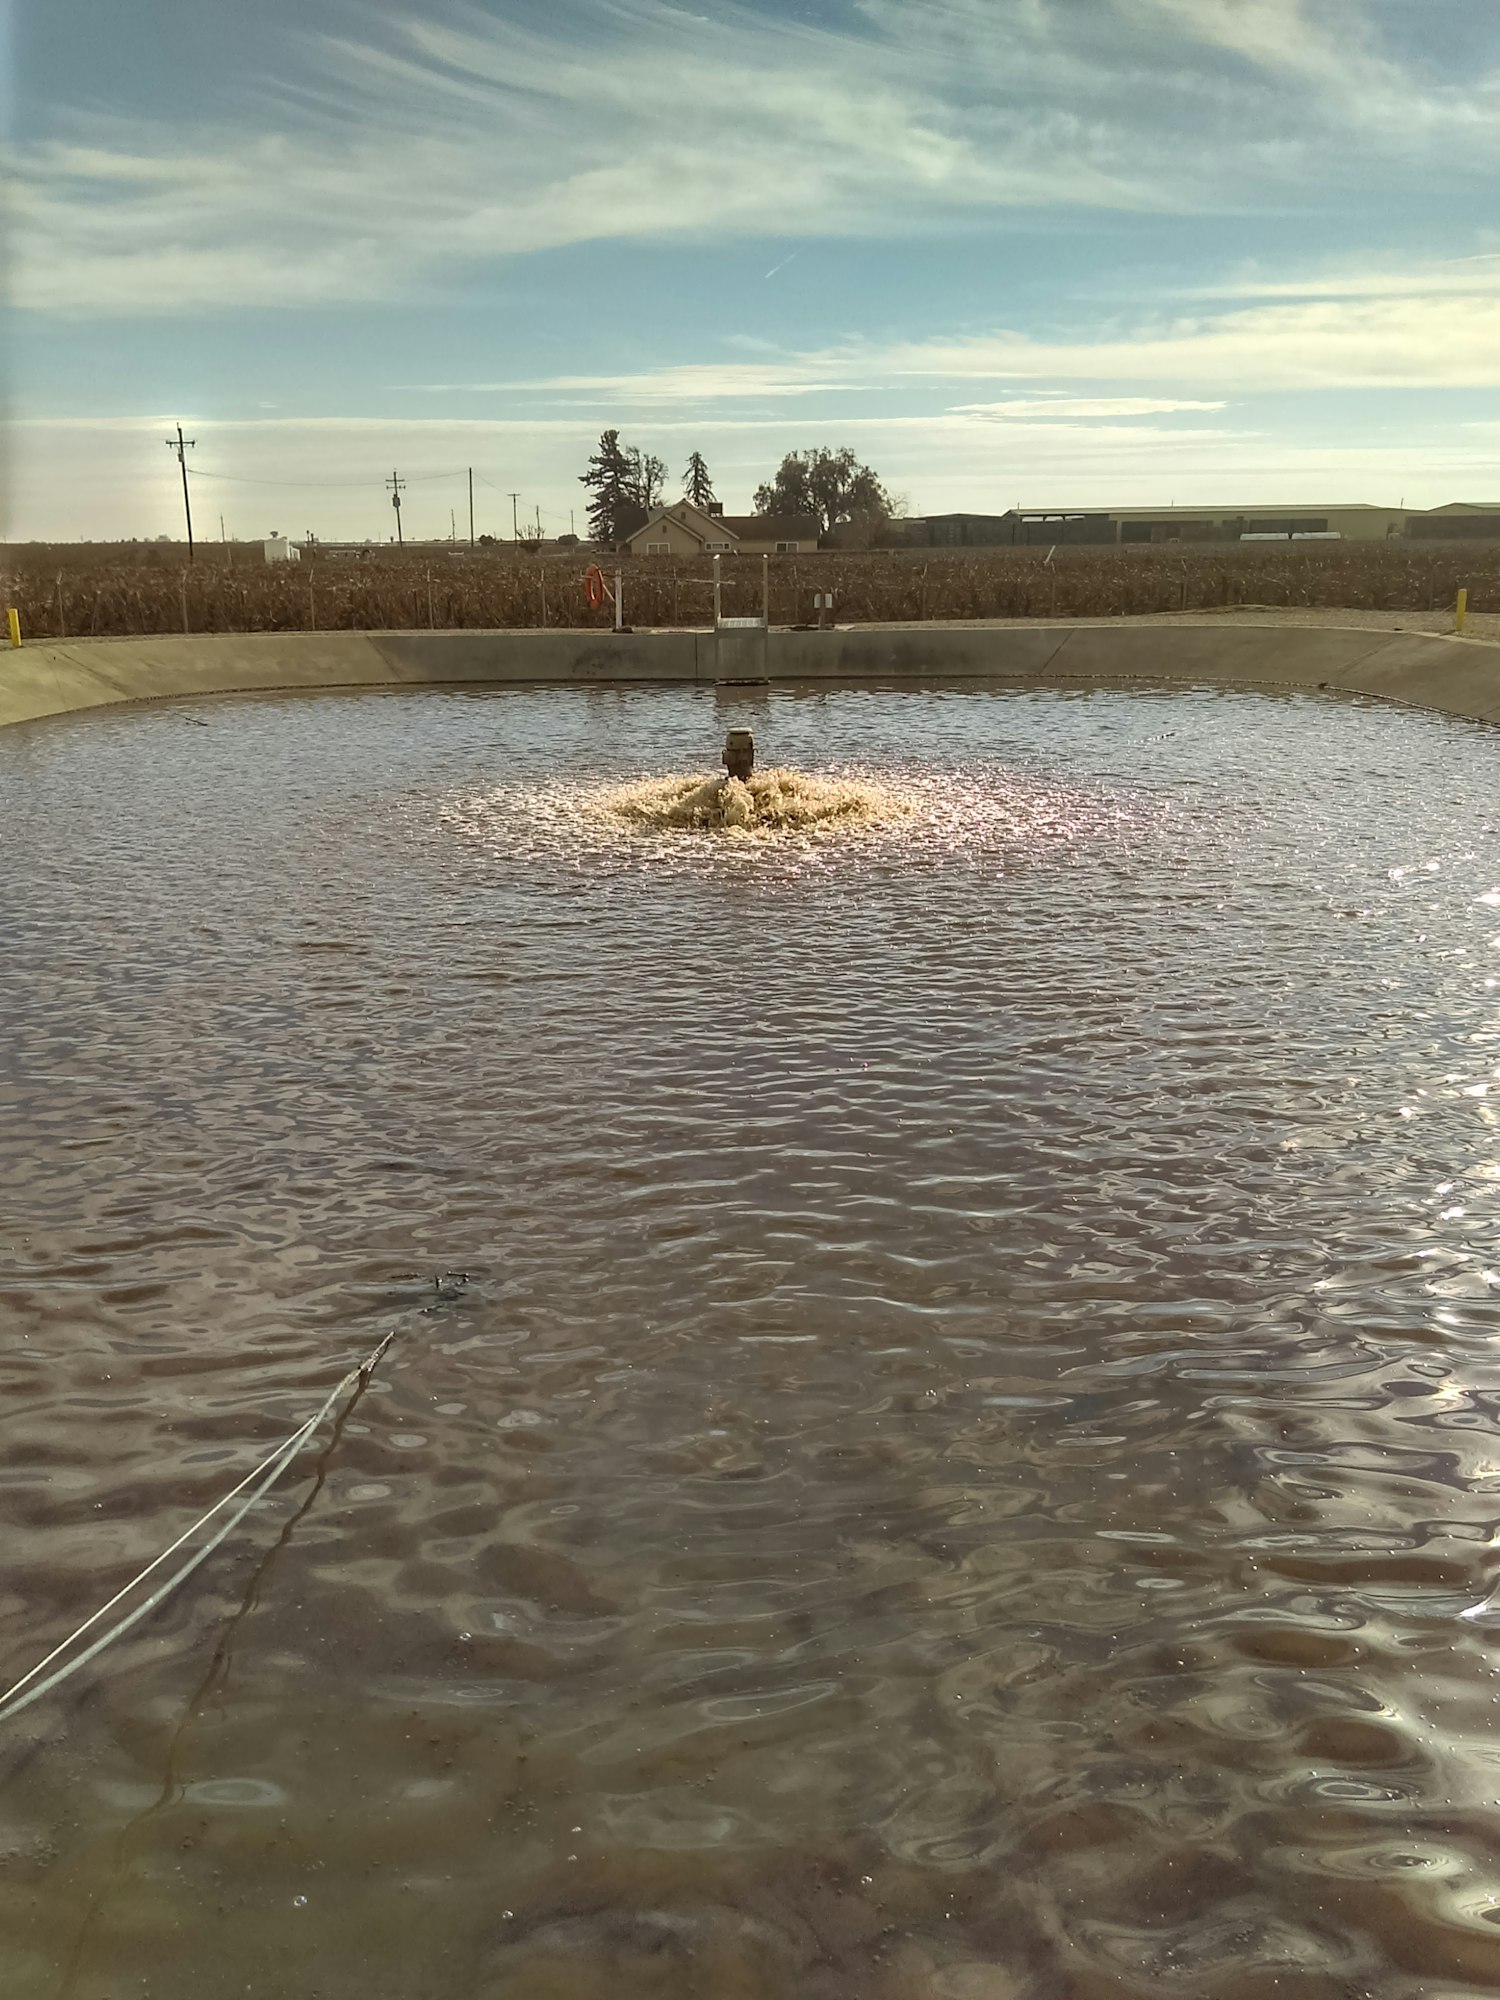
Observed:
{"x":696,"y":483}
{"x":609,"y":479}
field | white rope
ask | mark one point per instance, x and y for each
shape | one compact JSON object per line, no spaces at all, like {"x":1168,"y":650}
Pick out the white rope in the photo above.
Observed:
{"x":22,"y":1693}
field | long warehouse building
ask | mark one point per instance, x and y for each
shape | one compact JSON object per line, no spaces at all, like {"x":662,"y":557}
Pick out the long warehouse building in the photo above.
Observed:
{"x":1023,"y":527}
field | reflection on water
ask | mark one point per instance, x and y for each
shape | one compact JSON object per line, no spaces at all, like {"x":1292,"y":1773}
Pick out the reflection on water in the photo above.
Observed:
{"x":965,"y":1464}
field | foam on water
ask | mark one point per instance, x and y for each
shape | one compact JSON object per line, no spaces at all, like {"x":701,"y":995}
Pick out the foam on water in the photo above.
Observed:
{"x":771,"y":802}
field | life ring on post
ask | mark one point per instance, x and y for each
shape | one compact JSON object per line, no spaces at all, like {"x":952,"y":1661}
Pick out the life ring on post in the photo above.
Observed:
{"x":595,"y":589}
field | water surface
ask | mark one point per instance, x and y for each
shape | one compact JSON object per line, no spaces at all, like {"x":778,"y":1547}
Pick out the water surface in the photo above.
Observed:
{"x":957,"y":1458}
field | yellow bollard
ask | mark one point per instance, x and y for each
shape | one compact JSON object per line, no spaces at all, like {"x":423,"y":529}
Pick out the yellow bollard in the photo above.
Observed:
{"x":1461,"y":611}
{"x":13,"y":620}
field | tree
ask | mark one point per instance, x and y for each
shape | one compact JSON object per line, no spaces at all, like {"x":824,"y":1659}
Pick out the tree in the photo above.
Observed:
{"x":626,"y":486}
{"x":608,"y":479}
{"x":697,"y":486}
{"x":648,"y":477}
{"x":832,"y":485}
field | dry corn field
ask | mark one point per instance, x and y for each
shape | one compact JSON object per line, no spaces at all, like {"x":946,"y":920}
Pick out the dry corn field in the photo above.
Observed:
{"x":82,"y":592}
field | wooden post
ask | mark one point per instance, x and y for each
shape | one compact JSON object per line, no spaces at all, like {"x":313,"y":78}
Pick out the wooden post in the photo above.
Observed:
{"x":619,"y":602}
{"x":718,"y":591}
{"x":765,"y":590}
{"x":1461,"y":610}
{"x":542,"y":580}
{"x":13,"y":621}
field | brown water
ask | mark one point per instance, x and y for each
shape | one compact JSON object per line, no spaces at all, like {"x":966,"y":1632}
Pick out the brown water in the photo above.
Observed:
{"x":963,"y":1463}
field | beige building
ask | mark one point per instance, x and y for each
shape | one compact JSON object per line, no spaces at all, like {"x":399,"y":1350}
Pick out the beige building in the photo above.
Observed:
{"x":685,"y":530}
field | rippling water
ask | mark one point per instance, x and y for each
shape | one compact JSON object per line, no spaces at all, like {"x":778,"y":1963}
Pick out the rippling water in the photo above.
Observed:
{"x":962,"y":1461}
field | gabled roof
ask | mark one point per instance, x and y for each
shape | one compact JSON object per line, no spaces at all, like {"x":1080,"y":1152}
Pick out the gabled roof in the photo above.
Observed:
{"x":772,"y":527}
{"x":706,"y":527}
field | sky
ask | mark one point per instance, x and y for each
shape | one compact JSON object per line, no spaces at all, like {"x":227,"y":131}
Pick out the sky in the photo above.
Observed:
{"x":1037,"y":252}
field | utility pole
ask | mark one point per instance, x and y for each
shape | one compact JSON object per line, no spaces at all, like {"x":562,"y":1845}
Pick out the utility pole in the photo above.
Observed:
{"x":452,"y":527}
{"x":396,"y":482}
{"x":515,"y":526}
{"x":471,"y":506}
{"x":182,"y":446}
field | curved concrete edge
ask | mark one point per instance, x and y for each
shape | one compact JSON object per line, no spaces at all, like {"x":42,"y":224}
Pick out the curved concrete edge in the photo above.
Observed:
{"x":1452,"y":676}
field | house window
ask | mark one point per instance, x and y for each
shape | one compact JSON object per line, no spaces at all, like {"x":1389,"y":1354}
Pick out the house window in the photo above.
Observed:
{"x":787,"y":548}
{"x":658,"y":548}
{"x":717,"y":545}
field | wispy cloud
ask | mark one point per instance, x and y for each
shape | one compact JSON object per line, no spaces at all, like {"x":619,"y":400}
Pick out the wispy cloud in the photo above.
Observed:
{"x":444,"y":141}
{"x":686,"y":382}
{"x":1015,"y":409}
{"x":1390,"y":342}
{"x":1394,"y":336}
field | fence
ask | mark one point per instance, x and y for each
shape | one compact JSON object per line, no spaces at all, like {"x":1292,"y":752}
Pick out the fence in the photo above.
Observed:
{"x":60,"y":596}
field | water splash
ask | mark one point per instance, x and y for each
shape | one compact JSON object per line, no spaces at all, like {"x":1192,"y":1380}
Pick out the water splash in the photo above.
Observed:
{"x":769,"y":802}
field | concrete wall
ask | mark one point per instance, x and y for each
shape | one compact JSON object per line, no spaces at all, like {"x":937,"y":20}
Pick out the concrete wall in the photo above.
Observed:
{"x":1456,"y":676}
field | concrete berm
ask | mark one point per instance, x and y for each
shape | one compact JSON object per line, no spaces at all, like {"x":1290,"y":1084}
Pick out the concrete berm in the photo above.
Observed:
{"x":1454,"y":676}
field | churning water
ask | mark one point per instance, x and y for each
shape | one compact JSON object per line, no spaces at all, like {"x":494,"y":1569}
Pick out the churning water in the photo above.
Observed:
{"x":956,"y":1457}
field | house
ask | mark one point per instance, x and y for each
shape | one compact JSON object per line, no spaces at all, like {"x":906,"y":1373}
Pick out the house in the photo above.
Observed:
{"x":278,"y":549}
{"x":685,"y":530}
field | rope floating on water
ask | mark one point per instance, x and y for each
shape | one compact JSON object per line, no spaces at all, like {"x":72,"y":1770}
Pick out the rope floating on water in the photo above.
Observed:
{"x":259,"y":1480}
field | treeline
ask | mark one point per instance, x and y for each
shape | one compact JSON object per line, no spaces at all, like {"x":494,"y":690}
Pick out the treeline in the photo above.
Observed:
{"x":626,"y":486}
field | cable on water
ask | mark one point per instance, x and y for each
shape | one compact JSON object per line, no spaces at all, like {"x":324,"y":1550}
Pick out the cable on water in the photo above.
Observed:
{"x":38,"y":1681}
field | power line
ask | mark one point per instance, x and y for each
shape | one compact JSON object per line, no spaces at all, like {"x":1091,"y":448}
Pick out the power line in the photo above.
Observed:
{"x":247,"y":479}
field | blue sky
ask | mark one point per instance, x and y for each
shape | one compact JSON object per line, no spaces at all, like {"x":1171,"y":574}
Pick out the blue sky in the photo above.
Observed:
{"x":1061,"y":252}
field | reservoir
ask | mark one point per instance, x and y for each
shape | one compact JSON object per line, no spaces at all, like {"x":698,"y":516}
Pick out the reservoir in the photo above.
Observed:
{"x":940,"y":1436}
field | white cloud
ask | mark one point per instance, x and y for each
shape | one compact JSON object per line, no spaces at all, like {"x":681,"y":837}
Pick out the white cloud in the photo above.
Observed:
{"x":1361,"y":337}
{"x":440,"y":143}
{"x":1454,"y":276}
{"x":1055,"y":404}
{"x":686,"y":382}
{"x":1394,"y":342}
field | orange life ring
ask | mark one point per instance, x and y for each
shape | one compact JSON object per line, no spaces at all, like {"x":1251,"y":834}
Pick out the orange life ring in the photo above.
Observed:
{"x":594,"y":586}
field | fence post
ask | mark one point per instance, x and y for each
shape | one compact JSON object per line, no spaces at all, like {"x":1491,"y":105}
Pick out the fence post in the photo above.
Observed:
{"x":718,"y":591}
{"x":619,"y":602}
{"x":312,"y":604}
{"x":765,"y":590}
{"x":542,"y":580}
{"x":13,"y":620}
{"x":1461,"y":610}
